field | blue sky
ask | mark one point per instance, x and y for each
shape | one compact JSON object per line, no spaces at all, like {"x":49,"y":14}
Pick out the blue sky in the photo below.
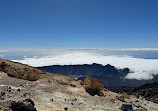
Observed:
{"x":79,"y":23}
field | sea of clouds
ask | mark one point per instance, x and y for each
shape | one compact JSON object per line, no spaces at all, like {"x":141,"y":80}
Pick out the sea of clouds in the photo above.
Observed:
{"x":141,"y":68}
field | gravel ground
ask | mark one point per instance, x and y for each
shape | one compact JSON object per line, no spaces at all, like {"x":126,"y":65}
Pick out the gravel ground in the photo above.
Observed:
{"x":56,"y":93}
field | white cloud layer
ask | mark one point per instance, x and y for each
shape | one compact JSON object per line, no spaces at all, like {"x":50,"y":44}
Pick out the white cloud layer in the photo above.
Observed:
{"x":142,"y":68}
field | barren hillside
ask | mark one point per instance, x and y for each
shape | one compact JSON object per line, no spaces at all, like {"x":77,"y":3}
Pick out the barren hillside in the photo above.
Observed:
{"x":52,"y":92}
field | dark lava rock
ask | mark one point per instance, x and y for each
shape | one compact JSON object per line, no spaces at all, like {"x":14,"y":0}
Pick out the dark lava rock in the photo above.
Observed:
{"x":9,"y":88}
{"x":73,"y":85}
{"x":74,"y":100}
{"x":29,"y":100}
{"x":2,"y":98}
{"x":2,"y":94}
{"x":147,"y":91}
{"x":18,"y":89}
{"x":26,"y":94}
{"x":25,"y":105}
{"x":65,"y":108}
{"x":52,"y":100}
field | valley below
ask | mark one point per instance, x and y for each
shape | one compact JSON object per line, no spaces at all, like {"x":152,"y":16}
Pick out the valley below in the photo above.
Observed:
{"x":114,"y":79}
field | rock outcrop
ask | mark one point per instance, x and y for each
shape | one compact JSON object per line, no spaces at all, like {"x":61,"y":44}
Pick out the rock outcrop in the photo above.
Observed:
{"x":20,"y":71}
{"x":93,"y":86}
{"x":148,"y":91}
{"x":24,"y":105}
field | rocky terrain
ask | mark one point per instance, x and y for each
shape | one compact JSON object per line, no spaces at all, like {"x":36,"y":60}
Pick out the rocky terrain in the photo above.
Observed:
{"x":55,"y":92}
{"x":148,"y":91}
{"x":113,"y":78}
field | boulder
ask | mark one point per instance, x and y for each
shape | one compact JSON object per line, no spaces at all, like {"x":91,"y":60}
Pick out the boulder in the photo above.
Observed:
{"x":93,"y":86}
{"x":24,"y":105}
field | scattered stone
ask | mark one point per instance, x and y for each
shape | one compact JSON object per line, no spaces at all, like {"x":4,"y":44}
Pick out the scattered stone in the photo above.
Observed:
{"x":2,"y":98}
{"x":100,"y":94}
{"x":112,"y":100}
{"x":73,"y":85}
{"x":26,"y":94}
{"x":29,"y":100}
{"x":120,"y":98}
{"x":52,"y":100}
{"x":18,"y":89}
{"x":74,"y":100}
{"x":2,"y":94}
{"x":81,"y":82}
{"x":80,"y":103}
{"x":25,"y":105}
{"x":66,"y":109}
{"x":136,"y":101}
{"x":147,"y":91}
{"x":9,"y":88}
{"x":126,"y":107}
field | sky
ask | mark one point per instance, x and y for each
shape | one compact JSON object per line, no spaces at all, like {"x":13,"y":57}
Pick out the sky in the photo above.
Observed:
{"x":79,"y":23}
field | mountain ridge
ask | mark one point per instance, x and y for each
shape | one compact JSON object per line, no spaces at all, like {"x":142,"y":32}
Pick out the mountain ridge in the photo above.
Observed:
{"x":113,"y":78}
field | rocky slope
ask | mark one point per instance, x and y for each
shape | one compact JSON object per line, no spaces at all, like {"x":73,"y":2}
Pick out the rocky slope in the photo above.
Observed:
{"x":147,"y":91}
{"x":20,"y":71}
{"x":52,"y":92}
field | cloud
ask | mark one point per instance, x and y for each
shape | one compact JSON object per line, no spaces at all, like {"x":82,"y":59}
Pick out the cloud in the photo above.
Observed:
{"x":121,"y":49}
{"x":135,"y":49}
{"x":142,"y":68}
{"x":4,"y":50}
